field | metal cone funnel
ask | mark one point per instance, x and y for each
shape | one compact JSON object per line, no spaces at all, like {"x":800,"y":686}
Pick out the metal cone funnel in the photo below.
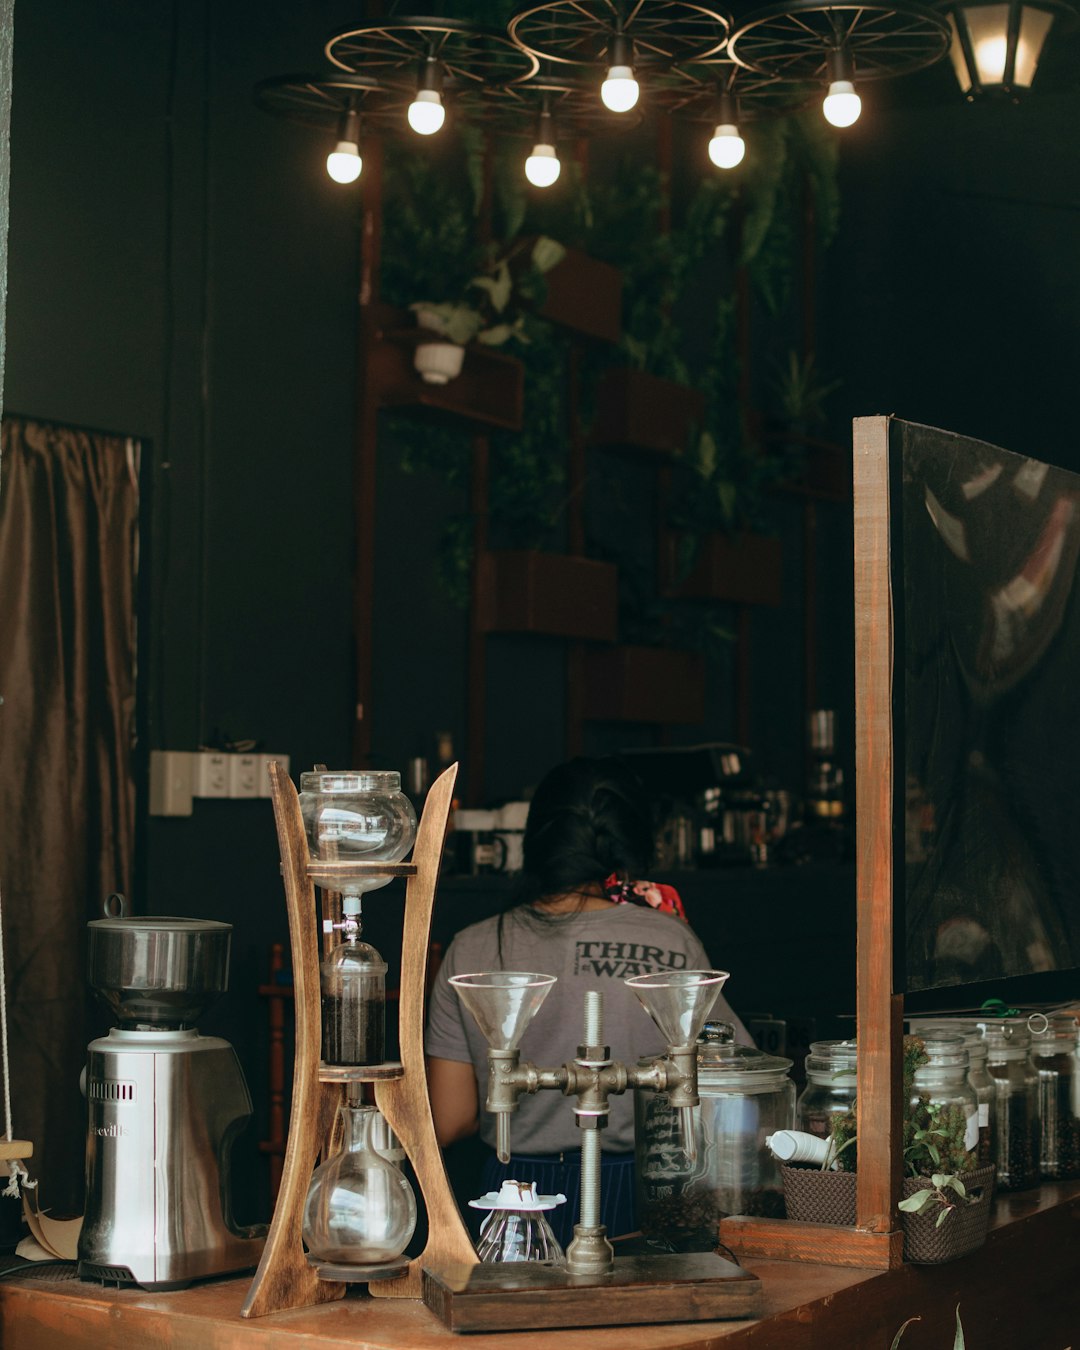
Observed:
{"x":503,"y":1002}
{"x":678,"y":1001}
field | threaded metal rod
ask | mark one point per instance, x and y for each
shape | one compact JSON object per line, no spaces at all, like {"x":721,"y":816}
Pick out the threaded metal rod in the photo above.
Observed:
{"x":590,"y":1178}
{"x":594,"y":1017}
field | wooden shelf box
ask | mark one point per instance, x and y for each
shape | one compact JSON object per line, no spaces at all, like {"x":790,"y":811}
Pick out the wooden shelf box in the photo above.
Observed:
{"x":640,"y":412}
{"x":744,"y":569}
{"x":555,"y":594}
{"x":489,"y":391}
{"x":585,"y":295}
{"x":645,"y":684}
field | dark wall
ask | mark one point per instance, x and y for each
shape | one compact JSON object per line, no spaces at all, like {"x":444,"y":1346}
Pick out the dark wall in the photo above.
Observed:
{"x":183,"y":270}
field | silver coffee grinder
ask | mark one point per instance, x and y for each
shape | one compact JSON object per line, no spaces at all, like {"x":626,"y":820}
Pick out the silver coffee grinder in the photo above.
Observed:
{"x":164,"y":1106}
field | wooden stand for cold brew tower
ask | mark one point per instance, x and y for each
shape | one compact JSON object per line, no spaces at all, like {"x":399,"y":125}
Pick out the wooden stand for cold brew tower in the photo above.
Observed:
{"x":285,"y":1278}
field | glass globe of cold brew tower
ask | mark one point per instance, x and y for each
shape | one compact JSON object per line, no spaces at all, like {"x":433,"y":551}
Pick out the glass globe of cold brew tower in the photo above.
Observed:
{"x":353,"y":816}
{"x":360,"y":1209}
{"x":352,"y":981}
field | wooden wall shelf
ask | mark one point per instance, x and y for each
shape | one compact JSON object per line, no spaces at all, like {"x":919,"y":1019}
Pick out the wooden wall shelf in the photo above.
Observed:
{"x":745,"y":569}
{"x":555,"y":594}
{"x":826,"y":471}
{"x":585,"y":295}
{"x":644,"y":684}
{"x":640,"y":413}
{"x":489,"y":391}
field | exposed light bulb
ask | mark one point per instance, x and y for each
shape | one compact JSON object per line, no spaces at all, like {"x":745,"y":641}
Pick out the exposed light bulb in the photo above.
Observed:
{"x":343,"y":163}
{"x":619,"y":90}
{"x":990,"y":57}
{"x":841,"y":104}
{"x":426,"y":112}
{"x":727,"y":147}
{"x":542,"y":168}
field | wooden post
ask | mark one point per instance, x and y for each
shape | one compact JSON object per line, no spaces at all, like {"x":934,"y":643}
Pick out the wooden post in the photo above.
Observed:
{"x":876,"y":1241}
{"x":879,"y":1012}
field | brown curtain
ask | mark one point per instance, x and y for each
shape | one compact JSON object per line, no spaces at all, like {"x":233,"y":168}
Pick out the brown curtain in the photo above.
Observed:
{"x":68,"y":562}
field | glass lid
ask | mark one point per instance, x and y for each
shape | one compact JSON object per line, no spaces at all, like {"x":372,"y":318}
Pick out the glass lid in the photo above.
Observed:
{"x":718,"y":1052}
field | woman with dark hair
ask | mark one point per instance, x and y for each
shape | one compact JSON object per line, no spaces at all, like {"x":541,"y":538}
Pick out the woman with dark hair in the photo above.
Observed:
{"x":585,"y":916}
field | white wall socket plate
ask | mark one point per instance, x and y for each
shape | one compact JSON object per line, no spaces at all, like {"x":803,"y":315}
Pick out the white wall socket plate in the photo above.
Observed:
{"x":171,"y":773}
{"x":211,"y":774}
{"x":244,"y":775}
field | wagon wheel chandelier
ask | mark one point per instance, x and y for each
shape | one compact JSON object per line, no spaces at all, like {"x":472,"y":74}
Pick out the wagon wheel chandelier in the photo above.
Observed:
{"x":431,"y":56}
{"x":726,"y":96}
{"x":807,"y":41}
{"x":572,"y":66}
{"x":621,"y":37}
{"x":335,"y":102}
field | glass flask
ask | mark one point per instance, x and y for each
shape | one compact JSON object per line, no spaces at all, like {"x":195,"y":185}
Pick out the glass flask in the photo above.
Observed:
{"x":942,"y":1100}
{"x":357,"y":817}
{"x":745,"y":1096}
{"x":830,"y":1086}
{"x":1016,"y":1102}
{"x":352,"y":980}
{"x":516,"y":1229}
{"x":360,"y":1209}
{"x":1054,"y":1058}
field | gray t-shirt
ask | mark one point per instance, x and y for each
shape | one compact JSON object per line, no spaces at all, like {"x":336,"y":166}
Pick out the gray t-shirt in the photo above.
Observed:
{"x":596,"y":949}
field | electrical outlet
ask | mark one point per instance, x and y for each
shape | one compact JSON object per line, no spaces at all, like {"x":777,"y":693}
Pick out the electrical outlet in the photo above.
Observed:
{"x":211,"y":774}
{"x":263,"y":775}
{"x":170,"y":782}
{"x":244,"y":775}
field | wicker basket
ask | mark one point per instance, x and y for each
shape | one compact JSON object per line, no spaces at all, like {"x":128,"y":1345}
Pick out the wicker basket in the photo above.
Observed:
{"x":963,"y":1231}
{"x":814,"y":1196}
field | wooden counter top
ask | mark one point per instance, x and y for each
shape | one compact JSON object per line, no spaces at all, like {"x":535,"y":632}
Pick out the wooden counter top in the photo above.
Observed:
{"x":1020,"y":1290}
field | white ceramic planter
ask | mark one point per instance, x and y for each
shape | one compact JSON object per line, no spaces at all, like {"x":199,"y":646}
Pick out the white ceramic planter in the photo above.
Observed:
{"x":439,"y":362}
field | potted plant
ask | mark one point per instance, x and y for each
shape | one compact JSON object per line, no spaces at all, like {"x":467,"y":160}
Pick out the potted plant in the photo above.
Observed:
{"x":491,"y":310}
{"x":945,"y":1203}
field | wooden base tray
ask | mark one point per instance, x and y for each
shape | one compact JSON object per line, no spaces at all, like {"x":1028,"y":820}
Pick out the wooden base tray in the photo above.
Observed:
{"x":690,"y":1287}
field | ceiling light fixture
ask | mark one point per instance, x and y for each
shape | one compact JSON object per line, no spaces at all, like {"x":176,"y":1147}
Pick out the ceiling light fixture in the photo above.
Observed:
{"x":996,"y":48}
{"x":343,"y":163}
{"x":620,"y":89}
{"x":426,"y":111}
{"x":542,"y":168}
{"x":841,"y":105}
{"x":727,"y":147}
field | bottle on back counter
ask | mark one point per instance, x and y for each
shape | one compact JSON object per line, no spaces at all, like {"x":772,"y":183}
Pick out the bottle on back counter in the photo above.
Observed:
{"x":825,"y":777}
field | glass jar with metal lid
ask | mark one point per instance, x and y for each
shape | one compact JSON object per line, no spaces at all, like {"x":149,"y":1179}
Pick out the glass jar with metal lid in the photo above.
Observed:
{"x":745,"y":1095}
{"x":1016,"y":1102}
{"x":1054,"y":1056}
{"x":943,"y":1102}
{"x":978,"y":1074}
{"x":830,"y":1085}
